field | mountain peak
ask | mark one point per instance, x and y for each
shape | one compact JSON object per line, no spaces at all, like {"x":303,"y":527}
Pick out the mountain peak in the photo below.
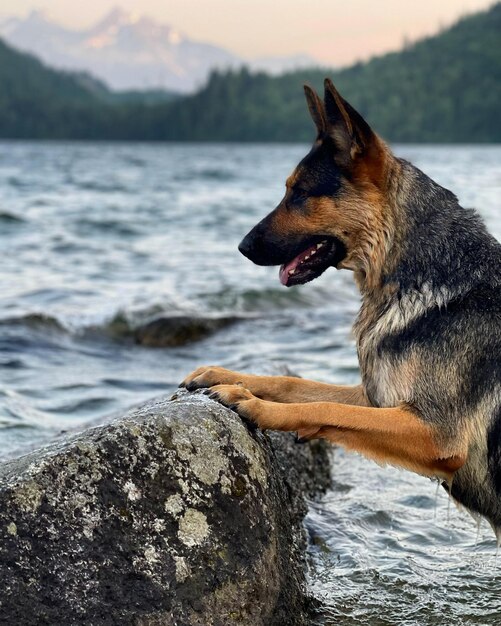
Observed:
{"x":38,"y":15}
{"x":116,"y":17}
{"x":127,"y":50}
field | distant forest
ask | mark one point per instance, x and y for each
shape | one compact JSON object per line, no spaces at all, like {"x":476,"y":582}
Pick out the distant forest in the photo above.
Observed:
{"x":445,"y":88}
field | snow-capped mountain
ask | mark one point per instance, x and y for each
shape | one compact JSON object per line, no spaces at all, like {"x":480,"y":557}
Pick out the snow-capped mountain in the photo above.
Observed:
{"x":128,"y":51}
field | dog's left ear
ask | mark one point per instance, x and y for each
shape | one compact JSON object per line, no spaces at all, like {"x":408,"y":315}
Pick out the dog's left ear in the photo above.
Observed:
{"x":351,"y":134}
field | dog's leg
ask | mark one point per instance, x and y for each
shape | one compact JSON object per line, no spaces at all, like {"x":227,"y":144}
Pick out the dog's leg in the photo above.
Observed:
{"x":395,"y":435}
{"x":277,"y":388}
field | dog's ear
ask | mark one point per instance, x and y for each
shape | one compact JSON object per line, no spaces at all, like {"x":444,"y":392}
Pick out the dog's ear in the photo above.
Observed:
{"x":316,"y":108}
{"x":351,"y":134}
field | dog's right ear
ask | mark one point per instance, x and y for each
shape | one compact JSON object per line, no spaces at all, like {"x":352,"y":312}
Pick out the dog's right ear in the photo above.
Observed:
{"x":316,"y":108}
{"x":352,"y":135}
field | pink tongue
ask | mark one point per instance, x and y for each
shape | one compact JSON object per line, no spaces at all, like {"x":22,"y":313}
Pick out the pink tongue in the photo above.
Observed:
{"x":292,"y":265}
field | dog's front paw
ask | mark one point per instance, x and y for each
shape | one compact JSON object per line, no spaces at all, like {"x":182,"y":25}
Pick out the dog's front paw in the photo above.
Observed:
{"x":265,"y":415}
{"x":208,"y":376}
{"x":238,"y":399}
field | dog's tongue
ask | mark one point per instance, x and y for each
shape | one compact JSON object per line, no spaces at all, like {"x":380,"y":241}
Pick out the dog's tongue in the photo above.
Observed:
{"x":283,"y":274}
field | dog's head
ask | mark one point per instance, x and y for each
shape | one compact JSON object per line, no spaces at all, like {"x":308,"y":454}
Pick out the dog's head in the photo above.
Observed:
{"x":332,"y":207}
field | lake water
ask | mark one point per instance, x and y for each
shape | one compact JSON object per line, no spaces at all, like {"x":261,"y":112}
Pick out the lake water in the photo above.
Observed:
{"x":95,"y":236}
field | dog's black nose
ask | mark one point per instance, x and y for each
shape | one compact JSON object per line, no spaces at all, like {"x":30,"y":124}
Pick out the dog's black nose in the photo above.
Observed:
{"x":261,"y":246}
{"x":245,"y":246}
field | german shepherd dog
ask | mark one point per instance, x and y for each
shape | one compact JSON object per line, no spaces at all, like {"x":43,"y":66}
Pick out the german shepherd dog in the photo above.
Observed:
{"x":429,"y":328}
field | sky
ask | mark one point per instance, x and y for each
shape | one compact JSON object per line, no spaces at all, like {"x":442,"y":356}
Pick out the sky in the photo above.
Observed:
{"x":335,"y":32}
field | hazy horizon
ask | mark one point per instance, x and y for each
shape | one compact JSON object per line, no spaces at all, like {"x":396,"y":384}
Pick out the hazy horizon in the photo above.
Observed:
{"x":334,"y":33}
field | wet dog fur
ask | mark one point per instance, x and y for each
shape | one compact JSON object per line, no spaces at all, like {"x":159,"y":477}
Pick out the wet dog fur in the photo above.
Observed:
{"x":429,"y":328}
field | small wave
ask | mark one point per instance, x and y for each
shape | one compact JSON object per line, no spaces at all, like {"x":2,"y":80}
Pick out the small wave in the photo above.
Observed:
{"x":130,"y":384}
{"x":215,"y":174}
{"x":35,"y":321}
{"x":18,"y":183}
{"x":133,"y":160}
{"x":9,"y":420}
{"x":205,"y":174}
{"x":87,"y":226}
{"x":40,"y":202}
{"x":100,"y":186}
{"x":87,"y":405}
{"x":262,"y":300}
{"x":118,"y":327}
{"x":10,"y":218}
{"x":11,"y":363}
{"x":154,"y":327}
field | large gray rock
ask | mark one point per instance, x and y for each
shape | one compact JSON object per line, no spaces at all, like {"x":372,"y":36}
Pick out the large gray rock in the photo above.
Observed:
{"x":174,"y":514}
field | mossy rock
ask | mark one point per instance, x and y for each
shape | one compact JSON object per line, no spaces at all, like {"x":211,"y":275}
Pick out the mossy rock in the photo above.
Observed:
{"x":175,"y":513}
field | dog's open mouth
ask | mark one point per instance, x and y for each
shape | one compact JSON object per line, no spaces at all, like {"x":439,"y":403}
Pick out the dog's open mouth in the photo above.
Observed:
{"x":312,"y":262}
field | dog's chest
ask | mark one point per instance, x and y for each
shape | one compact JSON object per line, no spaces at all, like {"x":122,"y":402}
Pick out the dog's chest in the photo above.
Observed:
{"x":388,"y":378}
{"x":386,"y":384}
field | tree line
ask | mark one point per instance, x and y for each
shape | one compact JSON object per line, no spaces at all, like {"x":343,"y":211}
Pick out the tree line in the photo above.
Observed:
{"x":445,"y":88}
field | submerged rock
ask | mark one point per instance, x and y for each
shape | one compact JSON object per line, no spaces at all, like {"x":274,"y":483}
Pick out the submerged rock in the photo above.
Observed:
{"x":177,"y":330}
{"x":174,"y":514}
{"x":163,"y":330}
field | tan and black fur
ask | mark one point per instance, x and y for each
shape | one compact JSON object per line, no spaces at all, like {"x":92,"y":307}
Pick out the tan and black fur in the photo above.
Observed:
{"x":429,"y":328}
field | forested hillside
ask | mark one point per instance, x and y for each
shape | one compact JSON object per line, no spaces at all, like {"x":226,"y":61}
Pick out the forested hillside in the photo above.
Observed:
{"x":445,"y":88}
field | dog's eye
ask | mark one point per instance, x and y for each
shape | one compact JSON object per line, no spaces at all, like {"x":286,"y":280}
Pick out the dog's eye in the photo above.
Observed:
{"x":298,"y":195}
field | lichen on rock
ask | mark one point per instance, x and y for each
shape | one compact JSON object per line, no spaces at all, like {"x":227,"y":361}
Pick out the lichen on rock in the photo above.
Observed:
{"x":173,"y":514}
